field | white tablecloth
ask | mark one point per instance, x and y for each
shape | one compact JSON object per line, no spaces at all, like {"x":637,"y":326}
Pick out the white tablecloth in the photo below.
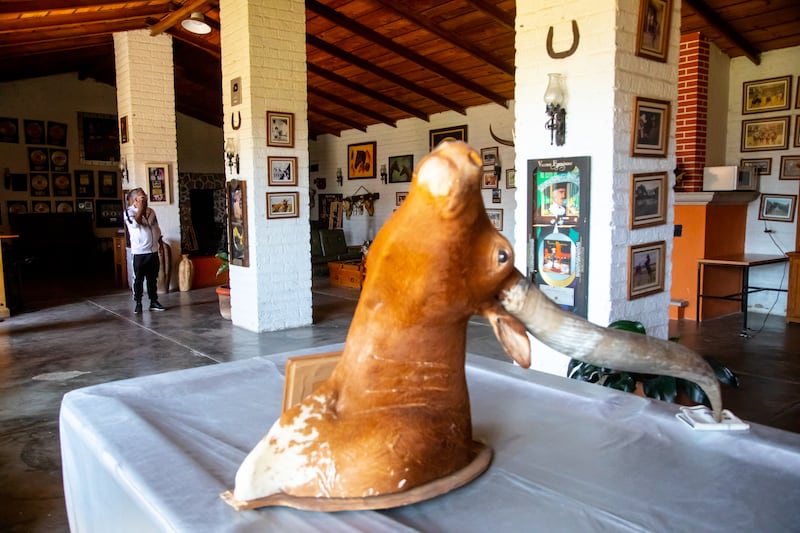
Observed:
{"x":154,"y":453}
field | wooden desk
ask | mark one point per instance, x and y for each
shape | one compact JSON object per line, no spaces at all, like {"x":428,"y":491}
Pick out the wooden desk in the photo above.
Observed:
{"x":744,"y":262}
{"x":4,"y":312}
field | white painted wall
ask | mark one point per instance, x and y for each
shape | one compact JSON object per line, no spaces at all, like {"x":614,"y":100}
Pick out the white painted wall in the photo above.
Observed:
{"x":200,"y":146}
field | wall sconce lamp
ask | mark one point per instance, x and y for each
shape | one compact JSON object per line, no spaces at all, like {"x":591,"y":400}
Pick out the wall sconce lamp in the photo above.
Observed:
{"x":339,"y":176}
{"x":123,"y":168}
{"x":196,"y":23}
{"x":384,"y":175}
{"x":232,"y":154}
{"x":554,"y":100}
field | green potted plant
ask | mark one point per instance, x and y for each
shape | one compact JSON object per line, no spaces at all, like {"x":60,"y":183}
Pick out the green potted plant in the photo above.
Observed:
{"x":224,"y":290}
{"x":665,"y":388}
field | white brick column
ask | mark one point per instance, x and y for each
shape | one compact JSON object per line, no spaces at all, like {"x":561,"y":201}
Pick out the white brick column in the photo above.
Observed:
{"x":146,"y":95}
{"x":601,"y":77}
{"x":263,"y":43}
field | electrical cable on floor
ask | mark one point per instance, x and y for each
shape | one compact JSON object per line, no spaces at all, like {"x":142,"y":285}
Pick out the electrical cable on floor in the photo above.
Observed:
{"x":777,"y":294}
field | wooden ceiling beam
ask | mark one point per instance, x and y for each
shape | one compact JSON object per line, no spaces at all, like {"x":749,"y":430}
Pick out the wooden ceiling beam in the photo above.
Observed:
{"x":383,"y":73}
{"x":505,"y":19}
{"x":408,"y":13}
{"x":711,"y":17}
{"x":338,"y":118}
{"x":38,"y":6}
{"x":177,"y":16}
{"x":190,"y":39}
{"x":352,"y":107}
{"x":69,"y":31}
{"x":375,"y":95}
{"x":77,"y":20}
{"x":55,"y":45}
{"x":388,"y":44}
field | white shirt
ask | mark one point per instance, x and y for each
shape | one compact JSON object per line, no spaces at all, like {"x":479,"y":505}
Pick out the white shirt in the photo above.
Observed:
{"x":144,"y":237}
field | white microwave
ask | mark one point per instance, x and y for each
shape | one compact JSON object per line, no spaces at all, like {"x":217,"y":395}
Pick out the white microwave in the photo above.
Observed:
{"x":730,"y":178}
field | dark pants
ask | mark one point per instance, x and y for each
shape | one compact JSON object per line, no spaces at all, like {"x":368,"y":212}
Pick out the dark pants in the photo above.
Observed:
{"x":145,"y":267}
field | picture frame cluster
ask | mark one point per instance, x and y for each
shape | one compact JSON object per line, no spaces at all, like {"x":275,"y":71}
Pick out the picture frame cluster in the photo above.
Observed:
{"x":282,"y":171}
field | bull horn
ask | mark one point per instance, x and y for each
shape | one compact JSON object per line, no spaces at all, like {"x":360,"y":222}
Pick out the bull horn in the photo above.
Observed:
{"x":502,"y":141}
{"x":605,"y":347}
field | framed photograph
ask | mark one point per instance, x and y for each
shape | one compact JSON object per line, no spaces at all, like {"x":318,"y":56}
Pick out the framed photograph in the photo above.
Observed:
{"x":777,"y":207}
{"x":489,"y":178}
{"x":56,"y":133}
{"x":17,"y":206}
{"x":765,"y":134}
{"x":85,"y":206}
{"x":790,"y":167}
{"x":496,"y":216}
{"x":98,"y":138}
{"x":648,"y":199}
{"x":107,"y":184}
{"x":511,"y":178}
{"x":650,"y":127}
{"x":59,"y":160}
{"x":497,"y":196}
{"x":400,"y":197}
{"x":9,"y":130}
{"x":280,"y":129}
{"x":401,"y":168}
{"x":109,"y":213}
{"x":361,"y":161}
{"x":646,"y":269}
{"x":760,"y":96}
{"x":762,"y":165}
{"x":64,"y":206}
{"x":489,"y":156}
{"x":84,"y":183}
{"x":38,"y":159}
{"x":40,"y":184}
{"x":283,"y":205}
{"x":123,"y":129}
{"x":652,"y":35}
{"x":282,"y":171}
{"x":458,"y":133}
{"x":305,"y":373}
{"x":239,"y":253}
{"x":41,"y":206}
{"x":158,"y":182}
{"x":62,"y":185}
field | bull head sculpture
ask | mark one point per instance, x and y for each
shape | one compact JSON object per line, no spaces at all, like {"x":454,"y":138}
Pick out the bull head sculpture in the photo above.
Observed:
{"x":395,"y":413}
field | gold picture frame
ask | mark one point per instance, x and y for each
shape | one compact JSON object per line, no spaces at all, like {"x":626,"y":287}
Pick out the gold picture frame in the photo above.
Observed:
{"x":158,"y":180}
{"x":648,"y":199}
{"x":771,"y":94}
{"x":652,"y":36}
{"x":765,"y":134}
{"x":646,"y":269}
{"x":305,"y":373}
{"x":361,"y":160}
{"x":280,"y":129}
{"x":650,"y":136}
{"x":283,"y":204}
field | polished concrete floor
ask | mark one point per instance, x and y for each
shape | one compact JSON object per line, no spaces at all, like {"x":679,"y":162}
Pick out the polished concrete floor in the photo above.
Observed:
{"x":77,"y":333}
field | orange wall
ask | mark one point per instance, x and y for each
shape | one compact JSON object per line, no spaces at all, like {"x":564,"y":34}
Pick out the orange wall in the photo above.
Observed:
{"x":686,"y":250}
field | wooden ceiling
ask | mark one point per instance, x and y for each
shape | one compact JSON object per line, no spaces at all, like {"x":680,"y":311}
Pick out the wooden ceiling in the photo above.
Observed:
{"x":369,"y":61}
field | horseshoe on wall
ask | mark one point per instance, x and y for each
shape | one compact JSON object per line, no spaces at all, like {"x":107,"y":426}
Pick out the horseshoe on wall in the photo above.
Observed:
{"x":576,"y":38}
{"x":236,"y":125}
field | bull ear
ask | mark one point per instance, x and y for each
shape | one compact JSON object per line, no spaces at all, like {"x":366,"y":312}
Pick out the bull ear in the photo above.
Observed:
{"x":512,"y":335}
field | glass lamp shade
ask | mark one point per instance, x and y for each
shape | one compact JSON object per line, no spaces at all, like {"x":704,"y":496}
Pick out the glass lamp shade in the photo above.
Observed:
{"x":554,"y":94}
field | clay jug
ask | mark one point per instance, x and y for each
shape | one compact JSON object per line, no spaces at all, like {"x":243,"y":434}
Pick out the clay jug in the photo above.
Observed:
{"x":185,"y":273}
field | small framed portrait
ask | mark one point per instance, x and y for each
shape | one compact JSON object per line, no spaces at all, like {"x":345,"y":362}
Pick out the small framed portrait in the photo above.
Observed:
{"x":84,"y":183}
{"x":361,"y":161}
{"x":458,"y":133}
{"x":511,"y":178}
{"x":790,"y":167}
{"x":652,"y":35}
{"x":762,"y":165}
{"x":280,"y":129}
{"x":401,"y":168}
{"x":239,"y":253}
{"x":282,"y":171}
{"x":158,"y":181}
{"x":489,"y":156}
{"x":648,"y":199}
{"x":496,"y":216}
{"x":765,"y":134}
{"x":761,"y":96}
{"x":646,"y":269}
{"x":650,"y":127}
{"x":283,"y":205}
{"x":400,"y":197}
{"x":489,"y":178}
{"x":108,"y":186}
{"x":777,"y":207}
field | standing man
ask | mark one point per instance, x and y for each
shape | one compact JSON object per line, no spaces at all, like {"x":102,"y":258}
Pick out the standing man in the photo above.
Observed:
{"x":145,"y":237}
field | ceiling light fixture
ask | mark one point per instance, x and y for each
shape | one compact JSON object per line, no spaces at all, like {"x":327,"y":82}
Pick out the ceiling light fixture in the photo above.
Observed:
{"x":196,"y":23}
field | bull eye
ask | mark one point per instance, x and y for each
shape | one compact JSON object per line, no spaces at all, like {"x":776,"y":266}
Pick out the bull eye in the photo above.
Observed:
{"x":502,"y":256}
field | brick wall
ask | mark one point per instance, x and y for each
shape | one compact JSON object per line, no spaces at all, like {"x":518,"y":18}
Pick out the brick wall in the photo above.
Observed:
{"x":692,"y":113}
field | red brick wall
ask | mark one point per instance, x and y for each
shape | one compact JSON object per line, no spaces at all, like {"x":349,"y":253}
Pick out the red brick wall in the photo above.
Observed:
{"x":692,"y":113}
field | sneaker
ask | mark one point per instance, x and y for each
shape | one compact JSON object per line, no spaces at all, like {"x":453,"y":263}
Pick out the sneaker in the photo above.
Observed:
{"x":155,"y":306}
{"x":138,"y":309}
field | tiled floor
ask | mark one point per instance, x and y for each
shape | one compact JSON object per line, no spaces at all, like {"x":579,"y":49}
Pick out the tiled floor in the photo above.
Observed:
{"x":81,"y":333}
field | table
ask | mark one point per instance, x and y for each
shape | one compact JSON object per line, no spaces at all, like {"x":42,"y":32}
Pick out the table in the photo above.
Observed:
{"x":154,"y":453}
{"x":741,"y":261}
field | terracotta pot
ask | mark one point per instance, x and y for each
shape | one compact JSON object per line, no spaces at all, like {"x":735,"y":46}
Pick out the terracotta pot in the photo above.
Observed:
{"x":224,"y":293}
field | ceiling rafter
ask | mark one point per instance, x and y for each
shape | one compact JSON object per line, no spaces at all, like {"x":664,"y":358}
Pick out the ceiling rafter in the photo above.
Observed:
{"x":336,"y":117}
{"x":504,"y":18}
{"x":68,"y":31}
{"x":710,"y":16}
{"x":353,"y":107}
{"x":177,"y":16}
{"x":76,"y":20}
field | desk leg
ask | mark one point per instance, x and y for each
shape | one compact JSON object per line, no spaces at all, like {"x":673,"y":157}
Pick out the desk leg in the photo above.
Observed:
{"x":697,"y":297}
{"x":745,"y":288}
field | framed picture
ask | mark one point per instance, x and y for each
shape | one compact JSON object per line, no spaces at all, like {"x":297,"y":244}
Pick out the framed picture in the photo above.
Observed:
{"x":489,"y":156}
{"x":9,"y":130}
{"x":401,"y":168}
{"x":760,"y":96}
{"x":40,"y":184}
{"x":489,"y":178}
{"x":325,"y":201}
{"x":41,"y":206}
{"x":98,"y":138}
{"x":62,"y":185}
{"x":64,"y":206}
{"x":123,"y":129}
{"x":56,"y":133}
{"x":38,"y":159}
{"x":400,"y":197}
{"x":765,"y":134}
{"x":17,"y":206}
{"x":790,"y":167}
{"x":280,"y":129}
{"x":59,"y":160}
{"x":511,"y":178}
{"x":777,"y":207}
{"x":84,"y":183}
{"x":35,"y":132}
{"x":158,"y":181}
{"x":85,"y":206}
{"x":305,"y":373}
{"x":496,"y":216}
{"x":652,"y":35}
{"x":361,"y":161}
{"x":282,"y":171}
{"x":648,"y":199}
{"x":762,"y":165}
{"x":497,"y":196}
{"x":650,"y":127}
{"x":109,"y":213}
{"x":458,"y":133}
{"x":646,"y":269}
{"x":797,"y":129}
{"x":239,"y":253}
{"x":107,"y":184}
{"x":283,"y":205}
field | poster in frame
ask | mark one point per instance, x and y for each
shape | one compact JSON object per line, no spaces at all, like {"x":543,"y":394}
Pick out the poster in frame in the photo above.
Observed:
{"x":282,"y":171}
{"x":107,"y":185}
{"x":511,"y":178}
{"x":650,"y":127}
{"x":790,"y":167}
{"x":761,"y":96}
{"x":84,"y":183}
{"x":777,"y":207}
{"x":283,"y":205}
{"x":280,"y":129}
{"x":98,"y":138}
{"x":762,"y":165}
{"x":361,"y":160}
{"x":646,"y":269}
{"x":109,"y":213}
{"x":239,"y":249}
{"x":458,"y":133}
{"x":401,"y":168}
{"x":648,"y":199}
{"x":765,"y":134}
{"x":496,"y":217}
{"x":652,"y":35}
{"x":158,"y":180}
